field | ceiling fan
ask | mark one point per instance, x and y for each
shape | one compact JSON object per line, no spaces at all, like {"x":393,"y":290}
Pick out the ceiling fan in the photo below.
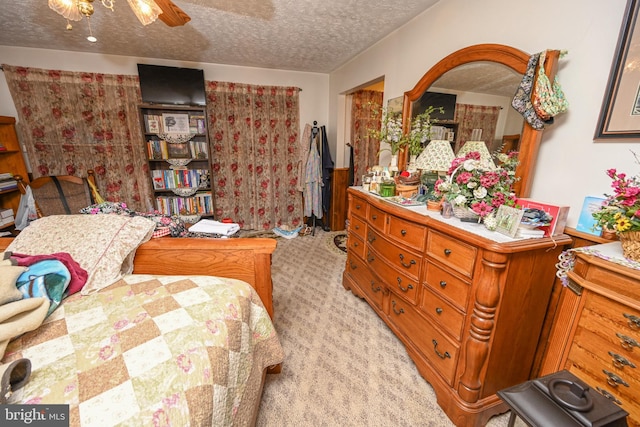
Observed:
{"x":147,"y":11}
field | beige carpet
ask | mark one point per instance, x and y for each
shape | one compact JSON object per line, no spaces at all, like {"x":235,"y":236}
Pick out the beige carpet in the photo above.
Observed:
{"x":343,"y":365}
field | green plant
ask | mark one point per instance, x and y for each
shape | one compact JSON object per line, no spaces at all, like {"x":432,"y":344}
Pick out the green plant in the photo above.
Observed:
{"x":390,"y":130}
{"x":420,"y":130}
{"x":621,"y":210}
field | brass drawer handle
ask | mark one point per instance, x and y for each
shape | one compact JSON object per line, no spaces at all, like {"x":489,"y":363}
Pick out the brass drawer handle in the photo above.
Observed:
{"x":608,"y":395}
{"x":374,"y":217}
{"x":375,"y":288}
{"x":355,"y":244}
{"x":412,"y":262}
{"x":403,"y":232}
{"x":371,"y":238}
{"x":398,"y":312}
{"x":439,"y":310}
{"x":353,"y":265}
{"x":614,"y":380}
{"x":370,"y":257}
{"x":440,"y":355}
{"x":357,"y":227}
{"x":443,"y":284}
{"x":400,"y":286}
{"x":634,"y":321}
{"x":447,"y":252}
{"x":357,"y":207}
{"x":627,"y":342}
{"x":620,"y":361}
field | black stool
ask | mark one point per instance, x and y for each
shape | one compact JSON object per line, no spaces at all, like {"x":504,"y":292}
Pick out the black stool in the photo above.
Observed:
{"x":561,"y":399}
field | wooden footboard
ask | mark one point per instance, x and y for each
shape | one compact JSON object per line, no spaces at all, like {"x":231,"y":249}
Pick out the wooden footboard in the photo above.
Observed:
{"x":237,"y":258}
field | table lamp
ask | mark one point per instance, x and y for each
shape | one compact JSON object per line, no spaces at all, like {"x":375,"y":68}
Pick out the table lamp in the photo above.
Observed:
{"x":435,"y":158}
{"x":480,"y":147}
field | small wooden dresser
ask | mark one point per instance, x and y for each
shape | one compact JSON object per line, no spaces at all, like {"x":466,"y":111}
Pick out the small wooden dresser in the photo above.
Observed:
{"x":596,"y":335}
{"x":468,"y":304}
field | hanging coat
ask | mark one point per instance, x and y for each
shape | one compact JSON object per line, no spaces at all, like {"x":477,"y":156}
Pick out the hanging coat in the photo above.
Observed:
{"x":313,"y":184}
{"x":327,"y":170}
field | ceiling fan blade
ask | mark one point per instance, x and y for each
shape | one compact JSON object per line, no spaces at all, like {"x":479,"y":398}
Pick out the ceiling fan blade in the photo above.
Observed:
{"x":171,"y":14}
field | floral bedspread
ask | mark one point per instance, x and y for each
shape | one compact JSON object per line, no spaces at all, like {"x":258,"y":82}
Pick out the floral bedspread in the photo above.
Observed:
{"x":153,"y":350}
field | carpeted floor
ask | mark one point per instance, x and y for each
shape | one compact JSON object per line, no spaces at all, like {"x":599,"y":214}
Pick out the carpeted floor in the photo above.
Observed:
{"x":343,"y":365}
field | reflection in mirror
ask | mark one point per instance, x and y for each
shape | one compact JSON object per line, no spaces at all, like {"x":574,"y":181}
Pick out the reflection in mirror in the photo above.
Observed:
{"x":484,"y":79}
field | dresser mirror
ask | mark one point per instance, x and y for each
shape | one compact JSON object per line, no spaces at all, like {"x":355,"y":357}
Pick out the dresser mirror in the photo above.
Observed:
{"x":494,"y":70}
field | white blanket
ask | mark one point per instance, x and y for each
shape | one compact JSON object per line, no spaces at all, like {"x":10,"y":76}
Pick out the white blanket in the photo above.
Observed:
{"x":214,"y":227}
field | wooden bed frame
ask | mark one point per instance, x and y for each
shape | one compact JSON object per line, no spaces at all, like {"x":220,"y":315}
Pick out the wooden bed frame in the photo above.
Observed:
{"x":247,"y":259}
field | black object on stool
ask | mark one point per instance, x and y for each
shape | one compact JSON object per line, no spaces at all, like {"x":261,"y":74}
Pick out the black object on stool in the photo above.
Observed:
{"x":561,"y":399}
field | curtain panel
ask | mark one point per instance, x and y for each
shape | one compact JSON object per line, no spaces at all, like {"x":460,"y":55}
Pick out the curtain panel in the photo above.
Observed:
{"x":470,"y":117}
{"x":364,"y":105}
{"x":70,"y":122}
{"x":254,"y":133}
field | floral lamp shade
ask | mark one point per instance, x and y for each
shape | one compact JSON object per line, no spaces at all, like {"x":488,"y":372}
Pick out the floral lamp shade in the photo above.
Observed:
{"x":480,"y":147}
{"x":437,"y":156}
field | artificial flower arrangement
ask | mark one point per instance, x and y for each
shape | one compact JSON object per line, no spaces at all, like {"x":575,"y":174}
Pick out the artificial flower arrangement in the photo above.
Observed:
{"x":390,"y":130}
{"x":474,"y":185}
{"x":620,"y":211}
{"x":420,"y":131}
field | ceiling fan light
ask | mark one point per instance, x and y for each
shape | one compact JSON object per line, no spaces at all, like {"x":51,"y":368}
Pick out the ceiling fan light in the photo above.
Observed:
{"x":66,"y":8}
{"x":146,"y":11}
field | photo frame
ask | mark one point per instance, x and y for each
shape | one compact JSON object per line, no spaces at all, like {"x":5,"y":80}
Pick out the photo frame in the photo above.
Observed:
{"x":179,"y":151}
{"x":508,"y":220}
{"x":620,"y":112}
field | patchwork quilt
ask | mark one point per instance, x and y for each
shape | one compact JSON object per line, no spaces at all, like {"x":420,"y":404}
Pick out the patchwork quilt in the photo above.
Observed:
{"x":153,"y":350}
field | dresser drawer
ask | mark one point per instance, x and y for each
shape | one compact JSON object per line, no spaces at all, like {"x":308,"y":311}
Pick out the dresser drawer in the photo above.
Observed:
{"x":446,"y":285}
{"x":446,"y":316}
{"x":404,"y":260}
{"x":377,"y":219}
{"x":408,"y":233}
{"x":441,"y":351}
{"x":358,"y":207}
{"x":401,"y":284}
{"x":355,"y":244}
{"x":371,"y":288}
{"x":457,"y":255}
{"x":358,"y":227}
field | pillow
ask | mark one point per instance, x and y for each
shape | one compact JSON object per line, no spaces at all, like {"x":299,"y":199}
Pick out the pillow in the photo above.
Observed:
{"x":104,"y":245}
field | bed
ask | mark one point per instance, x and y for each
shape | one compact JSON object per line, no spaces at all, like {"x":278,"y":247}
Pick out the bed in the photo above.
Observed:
{"x":186,"y":339}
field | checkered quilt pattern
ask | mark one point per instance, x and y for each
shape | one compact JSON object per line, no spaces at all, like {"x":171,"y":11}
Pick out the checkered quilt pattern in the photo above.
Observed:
{"x":153,"y":350}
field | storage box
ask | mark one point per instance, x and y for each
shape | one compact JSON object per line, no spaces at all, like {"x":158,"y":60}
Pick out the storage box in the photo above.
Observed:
{"x":559,"y":214}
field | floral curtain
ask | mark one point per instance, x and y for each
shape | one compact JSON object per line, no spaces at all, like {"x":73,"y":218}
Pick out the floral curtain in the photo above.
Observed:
{"x":470,"y":117}
{"x":364,"y":104}
{"x":71,"y":122}
{"x":253,"y":132}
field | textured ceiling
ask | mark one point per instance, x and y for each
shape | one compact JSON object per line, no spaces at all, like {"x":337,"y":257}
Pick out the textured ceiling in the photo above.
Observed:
{"x":301,"y":35}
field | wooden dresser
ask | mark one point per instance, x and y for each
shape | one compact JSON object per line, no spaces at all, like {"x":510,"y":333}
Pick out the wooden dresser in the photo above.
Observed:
{"x":468,"y":308}
{"x":597,"y":332}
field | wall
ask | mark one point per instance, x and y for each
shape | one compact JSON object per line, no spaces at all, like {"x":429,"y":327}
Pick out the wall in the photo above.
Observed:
{"x":313,"y":98}
{"x":570,"y":164}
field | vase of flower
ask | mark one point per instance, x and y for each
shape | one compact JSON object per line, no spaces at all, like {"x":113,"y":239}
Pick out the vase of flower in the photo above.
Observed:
{"x":621,"y":212}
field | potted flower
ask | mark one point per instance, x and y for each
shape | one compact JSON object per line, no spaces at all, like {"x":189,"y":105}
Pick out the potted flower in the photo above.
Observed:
{"x":420,"y":131}
{"x":390,"y":132}
{"x":475,"y":191}
{"x":621,"y":212}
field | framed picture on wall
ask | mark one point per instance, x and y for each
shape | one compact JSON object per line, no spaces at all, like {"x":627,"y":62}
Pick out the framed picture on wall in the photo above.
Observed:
{"x":620,"y":112}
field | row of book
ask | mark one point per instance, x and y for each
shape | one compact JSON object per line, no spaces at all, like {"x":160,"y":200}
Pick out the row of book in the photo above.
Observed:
{"x":193,"y":123}
{"x":7,"y":182}
{"x":159,"y":149}
{"x":166,"y":179}
{"x":199,"y":203}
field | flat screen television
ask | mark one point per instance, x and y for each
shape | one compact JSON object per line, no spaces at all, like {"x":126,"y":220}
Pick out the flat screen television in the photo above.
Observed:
{"x":445,"y":100}
{"x":171,"y":85}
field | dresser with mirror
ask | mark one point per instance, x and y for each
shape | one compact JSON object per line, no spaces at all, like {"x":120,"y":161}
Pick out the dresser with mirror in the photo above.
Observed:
{"x":469,"y":307}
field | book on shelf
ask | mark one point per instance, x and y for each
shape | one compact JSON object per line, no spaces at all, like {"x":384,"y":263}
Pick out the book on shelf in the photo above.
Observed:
{"x":5,"y":176}
{"x":6,"y":212}
{"x":10,"y":184}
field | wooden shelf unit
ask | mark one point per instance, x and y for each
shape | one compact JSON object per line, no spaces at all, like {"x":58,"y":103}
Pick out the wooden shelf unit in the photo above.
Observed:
{"x":194,"y":178}
{"x":12,"y":161}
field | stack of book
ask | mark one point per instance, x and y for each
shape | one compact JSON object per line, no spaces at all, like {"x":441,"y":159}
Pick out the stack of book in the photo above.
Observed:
{"x":6,"y":216}
{"x":7,"y":182}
